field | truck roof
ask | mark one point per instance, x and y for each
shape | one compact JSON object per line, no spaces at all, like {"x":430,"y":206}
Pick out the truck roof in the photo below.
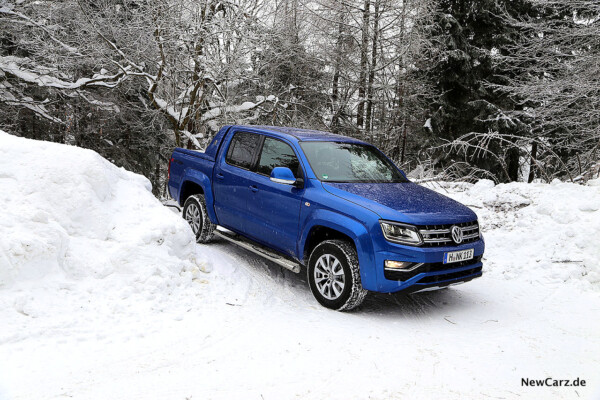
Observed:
{"x":299,"y":134}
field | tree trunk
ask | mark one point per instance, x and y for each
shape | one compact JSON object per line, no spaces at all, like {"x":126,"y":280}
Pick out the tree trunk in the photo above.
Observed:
{"x":532,"y":164}
{"x":368,"y":122}
{"x":335,"y":104}
{"x":399,"y":96}
{"x":363,"y":64}
{"x":403,"y":142}
{"x":512,"y":164}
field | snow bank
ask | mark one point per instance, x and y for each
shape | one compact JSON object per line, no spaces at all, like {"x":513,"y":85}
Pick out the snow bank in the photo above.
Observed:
{"x":69,"y":213}
{"x":547,"y":233}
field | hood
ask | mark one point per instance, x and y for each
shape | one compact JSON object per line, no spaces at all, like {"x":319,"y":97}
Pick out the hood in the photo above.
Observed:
{"x":403,"y":202}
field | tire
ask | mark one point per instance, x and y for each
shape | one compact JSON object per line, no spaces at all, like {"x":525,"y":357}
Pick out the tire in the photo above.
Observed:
{"x":325,"y":276}
{"x":194,"y":212}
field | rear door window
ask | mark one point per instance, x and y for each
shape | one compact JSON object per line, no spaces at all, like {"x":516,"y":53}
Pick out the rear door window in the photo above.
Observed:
{"x":276,"y":153}
{"x":242,"y":150}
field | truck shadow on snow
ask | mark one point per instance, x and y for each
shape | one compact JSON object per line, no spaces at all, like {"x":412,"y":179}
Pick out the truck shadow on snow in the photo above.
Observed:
{"x":416,"y":304}
{"x":295,"y":290}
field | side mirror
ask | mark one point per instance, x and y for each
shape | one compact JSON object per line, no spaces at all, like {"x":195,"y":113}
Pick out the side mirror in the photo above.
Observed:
{"x":283,"y":175}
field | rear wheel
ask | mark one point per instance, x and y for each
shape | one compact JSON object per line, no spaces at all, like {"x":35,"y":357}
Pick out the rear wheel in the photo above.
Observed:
{"x":334,"y":276}
{"x":194,"y":212}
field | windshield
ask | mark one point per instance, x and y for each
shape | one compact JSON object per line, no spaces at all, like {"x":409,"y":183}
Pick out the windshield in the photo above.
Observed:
{"x":349,"y":162}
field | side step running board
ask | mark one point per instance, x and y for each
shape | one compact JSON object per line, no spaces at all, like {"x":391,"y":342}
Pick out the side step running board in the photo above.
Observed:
{"x":257,"y":249}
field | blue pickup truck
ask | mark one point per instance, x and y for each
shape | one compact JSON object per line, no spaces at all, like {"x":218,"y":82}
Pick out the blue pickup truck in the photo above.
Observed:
{"x":331,"y":205}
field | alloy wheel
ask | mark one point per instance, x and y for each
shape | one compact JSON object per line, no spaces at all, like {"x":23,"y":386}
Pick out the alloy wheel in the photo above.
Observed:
{"x":329,"y":276}
{"x":193,"y":217}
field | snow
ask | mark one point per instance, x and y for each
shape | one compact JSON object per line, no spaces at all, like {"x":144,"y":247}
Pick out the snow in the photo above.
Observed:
{"x":551,"y":229}
{"x":105,"y":295}
{"x":428,"y":125}
{"x":69,"y":213}
{"x":26,"y":102}
{"x":245,"y":106}
{"x":70,"y":49}
{"x":40,"y":75}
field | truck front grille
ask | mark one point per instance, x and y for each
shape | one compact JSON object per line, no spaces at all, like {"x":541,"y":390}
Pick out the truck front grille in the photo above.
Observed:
{"x":441,"y":235}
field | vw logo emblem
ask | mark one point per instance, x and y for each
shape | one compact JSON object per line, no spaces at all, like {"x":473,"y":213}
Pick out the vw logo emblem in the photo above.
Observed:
{"x":457,"y":234}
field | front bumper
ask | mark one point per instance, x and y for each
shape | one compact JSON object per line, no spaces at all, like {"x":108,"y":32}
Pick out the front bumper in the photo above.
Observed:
{"x":433,"y":273}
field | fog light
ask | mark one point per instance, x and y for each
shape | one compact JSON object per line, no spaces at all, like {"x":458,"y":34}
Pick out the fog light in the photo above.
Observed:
{"x":397,"y":264}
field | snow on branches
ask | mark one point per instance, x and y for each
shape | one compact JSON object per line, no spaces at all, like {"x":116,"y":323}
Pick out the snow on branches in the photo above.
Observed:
{"x":185,"y":63}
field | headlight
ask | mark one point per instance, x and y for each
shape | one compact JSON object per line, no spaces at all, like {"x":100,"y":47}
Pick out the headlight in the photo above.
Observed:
{"x":401,"y":233}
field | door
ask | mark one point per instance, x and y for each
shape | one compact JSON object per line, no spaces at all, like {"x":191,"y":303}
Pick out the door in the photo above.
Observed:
{"x":274,"y":208}
{"x":232,"y":179}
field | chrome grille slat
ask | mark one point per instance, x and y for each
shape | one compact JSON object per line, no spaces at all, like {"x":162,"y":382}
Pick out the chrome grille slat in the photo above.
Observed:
{"x":434,"y":231}
{"x":437,"y":240}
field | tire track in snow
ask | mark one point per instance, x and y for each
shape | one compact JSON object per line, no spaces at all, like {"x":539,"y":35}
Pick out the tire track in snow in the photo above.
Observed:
{"x":269,"y":280}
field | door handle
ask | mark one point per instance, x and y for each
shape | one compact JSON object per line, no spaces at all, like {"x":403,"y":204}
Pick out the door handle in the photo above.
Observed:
{"x":220,"y":176}
{"x":254,"y":188}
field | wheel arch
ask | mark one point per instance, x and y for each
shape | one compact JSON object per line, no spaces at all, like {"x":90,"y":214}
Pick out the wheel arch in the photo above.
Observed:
{"x":189,"y":188}
{"x":196,"y":182}
{"x":320,"y":233}
{"x":326,"y":225}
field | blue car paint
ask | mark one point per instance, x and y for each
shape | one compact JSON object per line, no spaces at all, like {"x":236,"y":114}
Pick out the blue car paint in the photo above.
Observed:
{"x":278,"y":216}
{"x":418,"y":205}
{"x":273,"y":214}
{"x":282,"y":173}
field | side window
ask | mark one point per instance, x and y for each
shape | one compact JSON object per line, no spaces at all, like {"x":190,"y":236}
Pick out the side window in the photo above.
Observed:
{"x":242,"y":149}
{"x":276,"y":153}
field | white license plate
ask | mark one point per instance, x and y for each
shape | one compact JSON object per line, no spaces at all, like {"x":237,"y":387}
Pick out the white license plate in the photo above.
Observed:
{"x":457,"y":256}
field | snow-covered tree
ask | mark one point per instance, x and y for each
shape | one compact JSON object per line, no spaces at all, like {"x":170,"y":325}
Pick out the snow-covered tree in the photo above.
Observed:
{"x":557,"y":82}
{"x":476,"y":85}
{"x":188,"y":57}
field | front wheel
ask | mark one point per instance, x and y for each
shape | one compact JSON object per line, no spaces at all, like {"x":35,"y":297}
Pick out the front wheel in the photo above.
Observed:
{"x":194,"y":212}
{"x":334,"y":276}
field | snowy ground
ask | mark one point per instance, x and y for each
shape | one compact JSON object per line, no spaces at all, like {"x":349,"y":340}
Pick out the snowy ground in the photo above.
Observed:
{"x":103,"y":295}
